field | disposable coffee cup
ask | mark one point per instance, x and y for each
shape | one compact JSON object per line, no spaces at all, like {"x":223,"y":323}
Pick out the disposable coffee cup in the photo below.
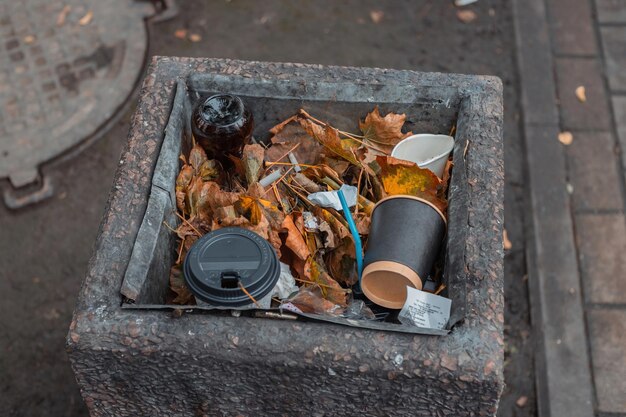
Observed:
{"x":405,"y":238}
{"x":221,"y":262}
{"x":426,"y":150}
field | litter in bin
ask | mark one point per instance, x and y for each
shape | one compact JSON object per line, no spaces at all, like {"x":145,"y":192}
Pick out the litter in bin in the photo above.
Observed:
{"x":285,"y":191}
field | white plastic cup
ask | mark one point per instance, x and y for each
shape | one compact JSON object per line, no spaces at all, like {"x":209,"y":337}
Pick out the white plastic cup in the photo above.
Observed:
{"x":426,"y":150}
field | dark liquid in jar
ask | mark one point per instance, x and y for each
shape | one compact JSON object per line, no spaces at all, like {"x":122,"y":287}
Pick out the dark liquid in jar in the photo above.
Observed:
{"x":222,"y":125}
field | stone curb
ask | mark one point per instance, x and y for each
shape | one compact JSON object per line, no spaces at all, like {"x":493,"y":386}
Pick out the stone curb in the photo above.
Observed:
{"x":564,"y":384}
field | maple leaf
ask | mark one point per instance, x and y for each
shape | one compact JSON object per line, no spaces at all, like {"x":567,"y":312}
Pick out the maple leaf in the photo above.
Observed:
{"x":401,"y":177}
{"x":384,"y":132}
{"x":329,"y":138}
{"x":291,"y":136}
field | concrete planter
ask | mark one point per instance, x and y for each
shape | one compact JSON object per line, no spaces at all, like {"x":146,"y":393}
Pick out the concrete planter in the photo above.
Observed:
{"x":141,"y":359}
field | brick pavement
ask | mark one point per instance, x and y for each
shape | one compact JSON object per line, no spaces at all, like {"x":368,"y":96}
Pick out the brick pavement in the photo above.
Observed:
{"x":578,"y":236}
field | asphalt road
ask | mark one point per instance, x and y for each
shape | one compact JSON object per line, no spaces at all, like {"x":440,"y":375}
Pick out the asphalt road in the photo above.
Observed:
{"x":44,"y":249}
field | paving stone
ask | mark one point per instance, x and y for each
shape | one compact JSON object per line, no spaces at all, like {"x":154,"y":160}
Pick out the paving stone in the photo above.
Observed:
{"x":614,"y":44}
{"x":592,"y":114}
{"x":601,"y":241}
{"x":611,"y":11}
{"x":593,"y":171}
{"x":571,"y":25}
{"x":607,"y":328}
{"x":619,"y":111}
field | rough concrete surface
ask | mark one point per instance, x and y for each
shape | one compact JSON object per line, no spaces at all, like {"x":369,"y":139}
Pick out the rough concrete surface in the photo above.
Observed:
{"x":45,"y":249}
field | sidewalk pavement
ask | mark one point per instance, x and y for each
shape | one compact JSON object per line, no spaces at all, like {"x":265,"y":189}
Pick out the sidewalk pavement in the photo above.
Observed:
{"x":577,"y":234}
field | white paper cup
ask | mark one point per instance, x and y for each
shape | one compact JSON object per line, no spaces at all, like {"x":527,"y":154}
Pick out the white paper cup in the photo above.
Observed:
{"x":426,"y":150}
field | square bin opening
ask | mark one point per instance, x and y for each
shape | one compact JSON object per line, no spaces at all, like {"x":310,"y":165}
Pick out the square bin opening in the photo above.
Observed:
{"x":342,"y":104}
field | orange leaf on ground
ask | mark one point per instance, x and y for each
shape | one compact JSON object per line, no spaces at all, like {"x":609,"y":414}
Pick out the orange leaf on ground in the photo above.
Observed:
{"x":384,"y":132}
{"x":295,"y":241}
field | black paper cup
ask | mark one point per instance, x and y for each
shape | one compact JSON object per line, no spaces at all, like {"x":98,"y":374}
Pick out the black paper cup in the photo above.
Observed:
{"x":405,"y":238}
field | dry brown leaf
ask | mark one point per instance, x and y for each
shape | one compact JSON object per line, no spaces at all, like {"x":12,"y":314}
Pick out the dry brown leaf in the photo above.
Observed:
{"x":363,"y":222}
{"x":330,"y":288}
{"x":286,"y":136}
{"x":194,"y":37}
{"x":180,"y":33}
{"x":86,"y":19}
{"x":327,"y":234}
{"x":178,"y":286}
{"x":197,"y":156}
{"x":447,"y":172}
{"x":310,"y":300}
{"x":376,"y":16}
{"x":210,"y":170}
{"x":522,"y":401}
{"x":341,"y":262}
{"x":63,"y":15}
{"x":566,"y":138}
{"x":182,"y":182}
{"x":505,"y":241}
{"x":252,"y":160}
{"x":329,"y":137}
{"x":406,"y":178}
{"x":383,"y":132}
{"x":581,"y":94}
{"x":294,"y":240}
{"x":466,"y":16}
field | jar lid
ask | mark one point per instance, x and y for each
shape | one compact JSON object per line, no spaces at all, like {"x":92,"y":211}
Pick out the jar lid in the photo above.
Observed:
{"x":222,"y":109}
{"x":222,"y":261}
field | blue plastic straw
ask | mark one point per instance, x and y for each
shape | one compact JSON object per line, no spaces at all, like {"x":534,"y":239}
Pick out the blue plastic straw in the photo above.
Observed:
{"x":355,"y":233}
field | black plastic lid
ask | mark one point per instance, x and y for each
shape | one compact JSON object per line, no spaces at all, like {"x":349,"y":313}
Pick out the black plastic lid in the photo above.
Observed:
{"x":222,"y":109}
{"x":219,"y":261}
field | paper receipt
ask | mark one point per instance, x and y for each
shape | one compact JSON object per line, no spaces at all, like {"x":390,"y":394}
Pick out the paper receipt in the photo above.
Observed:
{"x":423,"y":309}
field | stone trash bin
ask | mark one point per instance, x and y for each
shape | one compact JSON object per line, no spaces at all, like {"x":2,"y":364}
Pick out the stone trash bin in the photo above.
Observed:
{"x":134,"y":356}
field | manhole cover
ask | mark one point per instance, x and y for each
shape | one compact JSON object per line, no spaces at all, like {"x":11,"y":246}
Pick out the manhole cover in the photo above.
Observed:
{"x":66,"y":67}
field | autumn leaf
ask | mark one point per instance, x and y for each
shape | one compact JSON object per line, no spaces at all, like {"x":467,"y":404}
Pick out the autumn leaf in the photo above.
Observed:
{"x":192,"y":196}
{"x":252,"y":160}
{"x":466,"y":16}
{"x":401,"y":177}
{"x":384,"y":132}
{"x":447,"y":172}
{"x":341,"y":262}
{"x":291,"y":136}
{"x":310,"y":300}
{"x":197,"y":156}
{"x":329,"y":138}
{"x":182,"y":182}
{"x":210,"y":170}
{"x":330,"y":289}
{"x":178,"y":286}
{"x":257,"y":209}
{"x":294,"y":240}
